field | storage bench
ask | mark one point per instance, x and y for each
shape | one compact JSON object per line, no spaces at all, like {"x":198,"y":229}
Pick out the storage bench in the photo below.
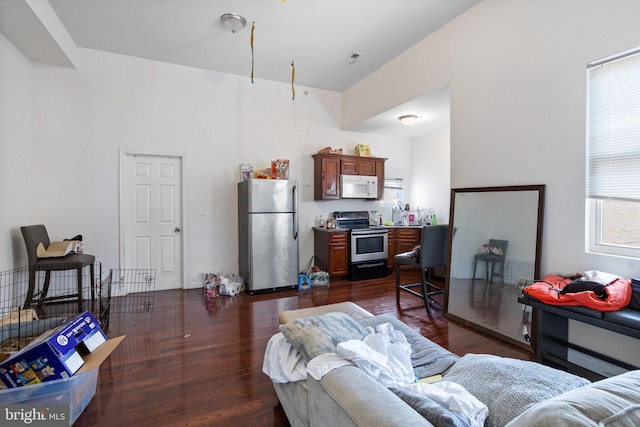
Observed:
{"x":552,"y":341}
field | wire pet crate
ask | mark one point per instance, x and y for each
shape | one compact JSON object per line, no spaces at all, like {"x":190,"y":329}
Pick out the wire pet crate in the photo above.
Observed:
{"x":23,"y":318}
{"x":519,"y":272}
{"x":131,"y":290}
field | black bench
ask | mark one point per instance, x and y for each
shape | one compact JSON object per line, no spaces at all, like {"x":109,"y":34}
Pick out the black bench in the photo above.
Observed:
{"x":551,"y":335}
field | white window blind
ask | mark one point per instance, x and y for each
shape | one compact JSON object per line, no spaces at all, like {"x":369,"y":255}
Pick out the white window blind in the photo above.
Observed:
{"x":613,"y":128}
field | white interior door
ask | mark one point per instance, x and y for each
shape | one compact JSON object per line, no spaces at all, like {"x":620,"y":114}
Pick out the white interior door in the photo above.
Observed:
{"x":151,"y":221}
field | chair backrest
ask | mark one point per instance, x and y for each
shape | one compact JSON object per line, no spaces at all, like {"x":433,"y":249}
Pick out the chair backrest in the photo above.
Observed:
{"x":433,"y":245}
{"x":501,"y":244}
{"x":33,"y":235}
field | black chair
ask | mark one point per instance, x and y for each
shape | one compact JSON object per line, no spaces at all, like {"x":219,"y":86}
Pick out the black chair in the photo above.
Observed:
{"x":34,"y":235}
{"x":492,"y":259}
{"x":433,"y":253}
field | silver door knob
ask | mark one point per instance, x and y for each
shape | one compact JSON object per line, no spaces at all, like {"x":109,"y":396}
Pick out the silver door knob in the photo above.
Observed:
{"x":177,"y":230}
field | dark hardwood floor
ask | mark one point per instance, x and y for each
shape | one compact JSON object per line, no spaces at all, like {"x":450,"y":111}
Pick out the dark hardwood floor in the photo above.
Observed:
{"x":193,"y":362}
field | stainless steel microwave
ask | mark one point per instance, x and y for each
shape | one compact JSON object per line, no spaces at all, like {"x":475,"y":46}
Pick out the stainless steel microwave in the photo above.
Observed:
{"x":358,"y":187}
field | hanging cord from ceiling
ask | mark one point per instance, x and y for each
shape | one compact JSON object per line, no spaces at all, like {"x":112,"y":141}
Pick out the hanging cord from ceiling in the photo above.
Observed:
{"x":253,"y":27}
{"x":293,"y":76}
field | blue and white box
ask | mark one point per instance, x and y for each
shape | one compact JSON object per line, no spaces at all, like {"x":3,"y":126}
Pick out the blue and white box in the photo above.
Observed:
{"x":55,"y":354}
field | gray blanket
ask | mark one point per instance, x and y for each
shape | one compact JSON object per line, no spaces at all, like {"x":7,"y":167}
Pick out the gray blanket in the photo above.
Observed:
{"x":509,"y":386}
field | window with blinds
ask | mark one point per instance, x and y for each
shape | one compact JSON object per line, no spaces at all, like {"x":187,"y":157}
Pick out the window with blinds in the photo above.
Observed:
{"x":613,"y":155}
{"x":393,"y":190}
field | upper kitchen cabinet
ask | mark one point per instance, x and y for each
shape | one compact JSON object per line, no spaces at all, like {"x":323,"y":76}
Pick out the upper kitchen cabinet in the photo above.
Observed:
{"x":359,"y":166}
{"x":326,"y":177}
{"x":329,"y":167}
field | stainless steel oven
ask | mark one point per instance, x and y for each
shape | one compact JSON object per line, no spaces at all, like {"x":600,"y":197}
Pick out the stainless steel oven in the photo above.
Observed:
{"x":369,"y":245}
{"x":369,"y":251}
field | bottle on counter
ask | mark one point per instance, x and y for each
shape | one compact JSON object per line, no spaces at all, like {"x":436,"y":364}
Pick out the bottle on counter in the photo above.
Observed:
{"x":321,"y":222}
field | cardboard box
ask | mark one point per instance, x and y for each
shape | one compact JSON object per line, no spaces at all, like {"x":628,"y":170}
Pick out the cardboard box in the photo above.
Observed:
{"x":55,"y":354}
{"x":74,"y":392}
{"x":363,"y":150}
{"x":329,"y":150}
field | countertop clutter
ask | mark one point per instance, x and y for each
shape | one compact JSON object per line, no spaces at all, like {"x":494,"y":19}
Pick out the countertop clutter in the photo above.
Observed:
{"x":344,"y":230}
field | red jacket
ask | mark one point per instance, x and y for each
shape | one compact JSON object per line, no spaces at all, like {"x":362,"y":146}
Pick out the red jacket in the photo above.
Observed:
{"x":547,"y":291}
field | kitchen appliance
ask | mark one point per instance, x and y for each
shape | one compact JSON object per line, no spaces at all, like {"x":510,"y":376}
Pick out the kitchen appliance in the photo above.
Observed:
{"x":375,"y":219}
{"x":358,"y":187}
{"x":268,"y":233}
{"x":369,"y":245}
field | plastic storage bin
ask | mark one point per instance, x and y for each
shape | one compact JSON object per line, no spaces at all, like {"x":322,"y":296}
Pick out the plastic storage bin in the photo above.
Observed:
{"x":76,"y":392}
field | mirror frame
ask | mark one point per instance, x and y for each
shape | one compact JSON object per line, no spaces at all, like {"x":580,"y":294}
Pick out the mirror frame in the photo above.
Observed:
{"x":540,"y":188}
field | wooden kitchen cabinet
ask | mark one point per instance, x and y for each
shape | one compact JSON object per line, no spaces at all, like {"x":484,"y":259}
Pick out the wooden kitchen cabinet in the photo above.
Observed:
{"x":326,"y":177}
{"x":402,"y":240}
{"x":391,"y":236}
{"x":327,"y":169}
{"x":359,"y":166}
{"x":407,"y":239}
{"x":349,"y":166}
{"x":380,"y":175}
{"x":331,"y":249}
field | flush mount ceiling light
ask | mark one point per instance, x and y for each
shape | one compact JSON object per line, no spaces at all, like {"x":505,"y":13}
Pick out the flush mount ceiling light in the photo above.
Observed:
{"x":233,"y":22}
{"x":408,"y":119}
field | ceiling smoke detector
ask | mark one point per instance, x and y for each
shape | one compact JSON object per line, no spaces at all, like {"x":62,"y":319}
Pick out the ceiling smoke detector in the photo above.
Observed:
{"x":351,"y":59}
{"x":233,"y":22}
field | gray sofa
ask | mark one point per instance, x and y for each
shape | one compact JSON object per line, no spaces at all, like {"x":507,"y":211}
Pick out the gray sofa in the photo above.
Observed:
{"x":517,"y":393}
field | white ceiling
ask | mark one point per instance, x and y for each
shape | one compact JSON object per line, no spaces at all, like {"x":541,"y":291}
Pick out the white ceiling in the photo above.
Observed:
{"x":318,"y":35}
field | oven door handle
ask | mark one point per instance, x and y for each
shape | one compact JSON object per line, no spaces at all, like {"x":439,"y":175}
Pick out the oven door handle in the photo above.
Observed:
{"x":368,"y":232}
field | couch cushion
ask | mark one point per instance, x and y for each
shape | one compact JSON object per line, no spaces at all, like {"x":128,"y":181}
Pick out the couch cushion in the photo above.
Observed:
{"x":314,"y":336}
{"x":443,"y":404}
{"x":509,"y":386}
{"x":349,"y":397}
{"x":610,"y":402}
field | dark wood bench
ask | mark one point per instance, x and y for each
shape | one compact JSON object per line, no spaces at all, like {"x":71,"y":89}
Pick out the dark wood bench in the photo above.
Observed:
{"x":552,"y":333}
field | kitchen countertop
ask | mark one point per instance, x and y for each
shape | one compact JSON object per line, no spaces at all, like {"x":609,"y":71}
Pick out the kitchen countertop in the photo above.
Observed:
{"x":331,"y":230}
{"x":342,"y":230}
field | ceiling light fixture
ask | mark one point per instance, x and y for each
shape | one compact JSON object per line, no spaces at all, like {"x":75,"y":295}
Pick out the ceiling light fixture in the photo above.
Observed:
{"x":408,"y":119}
{"x":233,"y":22}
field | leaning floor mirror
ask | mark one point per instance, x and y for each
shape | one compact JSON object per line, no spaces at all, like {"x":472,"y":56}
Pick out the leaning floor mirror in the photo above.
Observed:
{"x":494,"y":249}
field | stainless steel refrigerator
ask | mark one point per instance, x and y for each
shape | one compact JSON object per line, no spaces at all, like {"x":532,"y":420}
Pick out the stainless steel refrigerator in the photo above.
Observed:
{"x":268,"y":233}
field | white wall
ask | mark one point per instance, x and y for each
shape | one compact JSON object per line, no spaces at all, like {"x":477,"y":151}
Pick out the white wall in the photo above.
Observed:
{"x":517,"y":74}
{"x":430,"y":173}
{"x":15,"y":148}
{"x":82,"y":118}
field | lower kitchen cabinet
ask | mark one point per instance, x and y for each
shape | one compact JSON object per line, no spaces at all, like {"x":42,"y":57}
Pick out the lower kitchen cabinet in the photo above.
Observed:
{"x":331,"y":249}
{"x":391,"y":236}
{"x":402,"y":240}
{"x":407,"y":239}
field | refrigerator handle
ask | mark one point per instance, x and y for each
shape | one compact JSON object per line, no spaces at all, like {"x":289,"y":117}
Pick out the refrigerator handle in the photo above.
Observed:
{"x":295,"y":211}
